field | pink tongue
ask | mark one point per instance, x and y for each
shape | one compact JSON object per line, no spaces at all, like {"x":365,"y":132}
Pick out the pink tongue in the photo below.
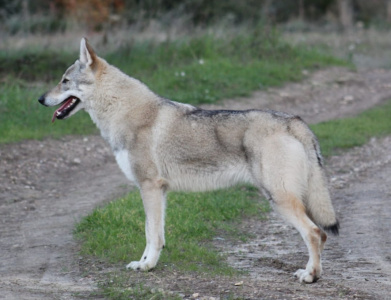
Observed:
{"x":61,"y":108}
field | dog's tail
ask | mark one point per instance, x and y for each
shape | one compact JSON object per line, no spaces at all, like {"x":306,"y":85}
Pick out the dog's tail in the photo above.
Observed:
{"x":317,"y":201}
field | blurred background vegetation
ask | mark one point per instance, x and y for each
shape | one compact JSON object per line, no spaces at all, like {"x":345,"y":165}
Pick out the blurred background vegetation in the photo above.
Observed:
{"x":193,"y":51}
{"x":52,"y":16}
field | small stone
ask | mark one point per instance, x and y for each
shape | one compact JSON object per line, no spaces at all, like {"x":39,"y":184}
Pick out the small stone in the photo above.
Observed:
{"x":347,"y":99}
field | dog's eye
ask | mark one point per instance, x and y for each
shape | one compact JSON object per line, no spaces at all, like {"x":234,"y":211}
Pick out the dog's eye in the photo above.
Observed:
{"x":65,"y":80}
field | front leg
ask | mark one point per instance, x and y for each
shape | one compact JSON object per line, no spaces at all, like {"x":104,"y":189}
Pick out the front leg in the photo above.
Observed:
{"x":154,"y":202}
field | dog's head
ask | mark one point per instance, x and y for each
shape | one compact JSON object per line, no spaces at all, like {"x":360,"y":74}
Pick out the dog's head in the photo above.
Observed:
{"x":74,"y":90}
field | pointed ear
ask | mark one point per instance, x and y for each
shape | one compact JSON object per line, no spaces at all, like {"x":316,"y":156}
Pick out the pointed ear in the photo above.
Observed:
{"x":87,"y":54}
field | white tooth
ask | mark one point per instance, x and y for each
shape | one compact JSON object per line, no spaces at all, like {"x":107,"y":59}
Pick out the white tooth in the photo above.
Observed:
{"x":58,"y":113}
{"x":73,"y":101}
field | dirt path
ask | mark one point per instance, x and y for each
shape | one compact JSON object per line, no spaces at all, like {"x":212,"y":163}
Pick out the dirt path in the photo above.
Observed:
{"x":39,"y":205}
{"x":327,"y":94}
{"x":46,"y":186}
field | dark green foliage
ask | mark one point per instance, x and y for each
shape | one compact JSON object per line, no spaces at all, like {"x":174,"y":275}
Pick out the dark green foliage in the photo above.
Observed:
{"x":31,"y":65}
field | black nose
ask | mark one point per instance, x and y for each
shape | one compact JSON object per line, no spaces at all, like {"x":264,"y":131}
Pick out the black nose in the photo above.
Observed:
{"x":42,"y":99}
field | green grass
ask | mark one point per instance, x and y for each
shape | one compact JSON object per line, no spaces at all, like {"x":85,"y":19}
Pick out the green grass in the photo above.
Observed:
{"x":116,"y":232}
{"x":194,"y":70}
{"x":355,"y":131}
{"x":206,"y":69}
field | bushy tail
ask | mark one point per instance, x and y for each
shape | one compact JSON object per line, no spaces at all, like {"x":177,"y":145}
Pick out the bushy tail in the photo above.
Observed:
{"x":318,"y":202}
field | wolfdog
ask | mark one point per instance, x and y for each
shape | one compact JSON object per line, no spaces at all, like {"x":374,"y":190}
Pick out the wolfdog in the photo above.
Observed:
{"x":164,"y":145}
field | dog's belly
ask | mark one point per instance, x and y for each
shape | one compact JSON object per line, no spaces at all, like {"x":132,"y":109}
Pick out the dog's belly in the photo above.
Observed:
{"x":185,"y":178}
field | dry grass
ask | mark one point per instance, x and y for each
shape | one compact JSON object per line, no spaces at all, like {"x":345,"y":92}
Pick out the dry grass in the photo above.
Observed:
{"x":365,"y":48}
{"x":106,"y":40}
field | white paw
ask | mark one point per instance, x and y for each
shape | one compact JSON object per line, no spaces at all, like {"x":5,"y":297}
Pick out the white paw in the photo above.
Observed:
{"x":306,"y":276}
{"x":139,"y":266}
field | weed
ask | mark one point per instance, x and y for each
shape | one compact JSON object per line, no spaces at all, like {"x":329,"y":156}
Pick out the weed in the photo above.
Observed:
{"x":118,"y":286}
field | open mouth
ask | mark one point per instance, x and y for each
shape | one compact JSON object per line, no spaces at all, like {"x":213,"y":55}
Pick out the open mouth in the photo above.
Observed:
{"x":66,"y":107}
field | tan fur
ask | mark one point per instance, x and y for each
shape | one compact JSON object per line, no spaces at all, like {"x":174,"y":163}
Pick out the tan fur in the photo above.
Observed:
{"x":161,"y":145}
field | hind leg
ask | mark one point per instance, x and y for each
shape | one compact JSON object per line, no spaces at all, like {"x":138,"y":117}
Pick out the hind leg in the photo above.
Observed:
{"x":323,"y":239}
{"x":293,"y":210}
{"x":284,"y":175}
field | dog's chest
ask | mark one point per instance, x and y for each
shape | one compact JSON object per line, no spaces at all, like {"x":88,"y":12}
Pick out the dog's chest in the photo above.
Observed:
{"x":123,"y":159}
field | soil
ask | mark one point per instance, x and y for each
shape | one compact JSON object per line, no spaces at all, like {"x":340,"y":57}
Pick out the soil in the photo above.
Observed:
{"x":46,"y":186}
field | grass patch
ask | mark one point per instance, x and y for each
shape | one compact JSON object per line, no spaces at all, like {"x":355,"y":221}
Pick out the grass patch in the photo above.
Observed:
{"x":116,"y":232}
{"x":195,"y":70}
{"x":208,"y":68}
{"x":355,"y":131}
